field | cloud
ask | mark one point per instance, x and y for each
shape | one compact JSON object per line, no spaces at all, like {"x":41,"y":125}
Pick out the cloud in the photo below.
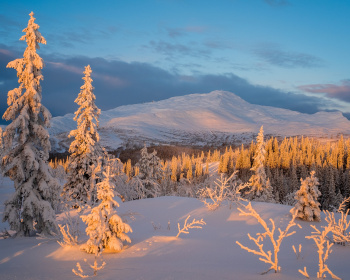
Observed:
{"x":120,"y":83}
{"x":172,"y":51}
{"x":340,"y":92}
{"x":178,"y":32}
{"x":7,"y":24}
{"x":277,"y":2}
{"x":287,"y":59}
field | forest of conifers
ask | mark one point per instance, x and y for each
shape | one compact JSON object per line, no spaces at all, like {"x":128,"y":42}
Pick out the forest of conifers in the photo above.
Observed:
{"x":286,"y":162}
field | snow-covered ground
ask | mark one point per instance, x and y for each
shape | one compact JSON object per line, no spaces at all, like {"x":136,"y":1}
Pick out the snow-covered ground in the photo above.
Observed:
{"x":200,"y":119}
{"x":207,"y":253}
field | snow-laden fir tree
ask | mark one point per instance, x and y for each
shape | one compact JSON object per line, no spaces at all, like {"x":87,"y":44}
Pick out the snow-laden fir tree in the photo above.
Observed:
{"x":86,"y":152}
{"x":261,"y":189}
{"x":104,"y":227}
{"x":26,"y":145}
{"x":150,"y":174}
{"x":306,"y":199}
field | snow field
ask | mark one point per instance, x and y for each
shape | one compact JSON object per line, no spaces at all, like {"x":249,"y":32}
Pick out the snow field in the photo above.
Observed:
{"x":208,"y":253}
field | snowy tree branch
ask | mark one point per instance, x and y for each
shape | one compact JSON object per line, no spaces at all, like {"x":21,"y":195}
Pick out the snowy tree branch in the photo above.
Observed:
{"x":267,"y":257}
{"x":194,"y":224}
{"x":321,"y":241}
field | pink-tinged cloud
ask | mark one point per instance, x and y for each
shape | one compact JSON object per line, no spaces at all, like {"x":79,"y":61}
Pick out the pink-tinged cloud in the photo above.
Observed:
{"x":5,"y":52}
{"x":196,"y":29}
{"x":111,"y":80}
{"x":66,"y":67}
{"x":341,"y":92}
{"x":182,"y":31}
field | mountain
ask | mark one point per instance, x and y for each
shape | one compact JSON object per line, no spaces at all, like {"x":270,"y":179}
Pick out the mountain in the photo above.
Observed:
{"x":198,"y":119}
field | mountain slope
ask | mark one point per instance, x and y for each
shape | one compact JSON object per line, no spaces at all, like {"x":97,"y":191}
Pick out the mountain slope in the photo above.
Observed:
{"x":213,"y":118}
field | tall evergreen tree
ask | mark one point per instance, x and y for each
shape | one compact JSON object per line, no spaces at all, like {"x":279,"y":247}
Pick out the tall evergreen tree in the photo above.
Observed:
{"x":86,"y":152}
{"x":26,"y":145}
{"x":260,"y":187}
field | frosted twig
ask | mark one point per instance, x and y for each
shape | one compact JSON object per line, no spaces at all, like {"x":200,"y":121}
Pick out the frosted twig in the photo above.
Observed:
{"x":70,"y":231}
{"x":320,"y":239}
{"x":94,"y":266}
{"x":68,"y":238}
{"x":295,"y":251}
{"x":224,"y":189}
{"x":341,"y":208}
{"x":339,"y":228}
{"x":80,"y":271}
{"x":269,"y":232}
{"x":304,"y":272}
{"x":194,"y":224}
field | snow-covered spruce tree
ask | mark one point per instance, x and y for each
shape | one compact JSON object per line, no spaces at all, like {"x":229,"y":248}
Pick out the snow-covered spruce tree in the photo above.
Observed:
{"x":86,"y":152}
{"x":150,"y":174}
{"x":104,"y":227}
{"x":306,"y":199}
{"x":261,"y":189}
{"x":26,"y":145}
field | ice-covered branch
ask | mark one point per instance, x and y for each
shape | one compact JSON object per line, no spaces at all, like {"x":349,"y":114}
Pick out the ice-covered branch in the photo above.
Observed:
{"x":339,"y":228}
{"x":68,"y":239}
{"x":194,"y":224}
{"x":304,"y":272}
{"x":70,"y":231}
{"x":342,"y":206}
{"x":223,"y":189}
{"x":95,"y":266}
{"x":295,"y":251}
{"x":267,"y":257}
{"x":324,"y":249}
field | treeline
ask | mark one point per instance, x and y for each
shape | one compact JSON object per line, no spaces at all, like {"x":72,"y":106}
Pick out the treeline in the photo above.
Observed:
{"x":286,"y":162}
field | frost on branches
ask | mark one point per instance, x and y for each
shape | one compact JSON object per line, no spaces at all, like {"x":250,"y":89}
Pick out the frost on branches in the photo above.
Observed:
{"x":267,"y":257}
{"x":104,"y":227}
{"x":323,"y":250}
{"x":220,"y":190}
{"x":261,"y":189}
{"x":26,"y":145}
{"x":307,"y":205}
{"x":86,"y":152}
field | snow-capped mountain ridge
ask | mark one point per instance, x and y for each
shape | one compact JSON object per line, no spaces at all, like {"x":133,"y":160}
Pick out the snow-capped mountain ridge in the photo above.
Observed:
{"x":212,"y":118}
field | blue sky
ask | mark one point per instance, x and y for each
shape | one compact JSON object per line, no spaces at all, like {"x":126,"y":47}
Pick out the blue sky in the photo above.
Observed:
{"x":284,"y":53}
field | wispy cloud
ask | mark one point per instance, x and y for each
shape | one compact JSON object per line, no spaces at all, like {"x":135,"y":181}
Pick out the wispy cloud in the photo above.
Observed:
{"x":182,"y":31}
{"x":277,"y":2}
{"x":5,"y":52}
{"x":173,"y":50}
{"x":340,"y":92}
{"x":288,"y":59}
{"x":69,"y":68}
